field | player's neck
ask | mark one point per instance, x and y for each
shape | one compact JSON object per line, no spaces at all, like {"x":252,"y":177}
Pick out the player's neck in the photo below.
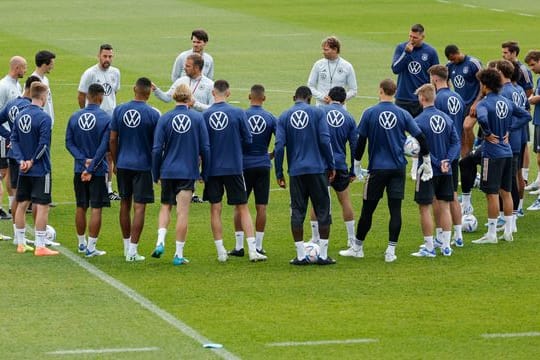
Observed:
{"x":40,"y":72}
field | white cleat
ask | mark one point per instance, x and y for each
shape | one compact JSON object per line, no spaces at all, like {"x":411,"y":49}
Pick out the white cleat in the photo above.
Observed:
{"x":532,"y":186}
{"x":389,"y":257}
{"x":507,"y":237}
{"x":134,"y":258}
{"x":535,"y":192}
{"x":535,"y":205}
{"x":467,"y":209}
{"x":222,"y":256}
{"x":254,"y":256}
{"x":350,"y":252}
{"x":486,"y":239}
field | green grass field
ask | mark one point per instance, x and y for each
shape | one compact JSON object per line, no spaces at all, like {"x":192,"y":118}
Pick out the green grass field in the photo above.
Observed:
{"x":410,"y":309}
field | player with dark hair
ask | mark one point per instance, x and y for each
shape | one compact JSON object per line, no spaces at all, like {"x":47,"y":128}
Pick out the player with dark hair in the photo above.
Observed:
{"x":44,"y":64}
{"x":87,"y":139}
{"x":199,"y":39}
{"x":132,"y":135}
{"x":302,"y":129}
{"x":384,"y":126}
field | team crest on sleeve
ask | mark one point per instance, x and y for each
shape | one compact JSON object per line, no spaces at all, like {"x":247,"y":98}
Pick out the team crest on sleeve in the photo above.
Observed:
{"x":335,"y":118}
{"x":299,"y":119}
{"x":25,"y":123}
{"x":437,"y":124}
{"x":414,"y":67}
{"x":501,"y":109}
{"x":181,"y":123}
{"x":218,"y":120}
{"x":87,"y":121}
{"x":257,"y":125}
{"x":132,"y":118}
{"x":108,"y":89}
{"x":12,"y":113}
{"x":459,"y":81}
{"x":387,"y":120}
{"x":453,"y":104}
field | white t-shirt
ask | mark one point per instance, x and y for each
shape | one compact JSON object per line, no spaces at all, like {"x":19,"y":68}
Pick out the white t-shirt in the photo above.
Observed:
{"x":326,"y":74}
{"x":201,"y":89}
{"x":9,"y":90}
{"x":109,"y":79}
{"x":48,"y":108}
{"x":178,"y":67}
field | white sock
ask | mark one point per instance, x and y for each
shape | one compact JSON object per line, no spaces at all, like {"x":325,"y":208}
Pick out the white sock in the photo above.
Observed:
{"x":300,"y":250}
{"x":239,"y":236}
{"x":414,"y":164}
{"x":81,"y":239}
{"x":19,"y":236}
{"x":525,"y":173}
{"x":446,"y":239}
{"x":91,"y":244}
{"x":357,"y":244}
{"x":219,"y":246}
{"x":492,"y":227}
{"x":350,"y":229}
{"x":323,"y":245}
{"x":10,"y":200}
{"x":508,"y":225}
{"x":520,"y":206}
{"x":438,"y":234}
{"x":109,"y":187}
{"x":180,"y":248}
{"x":466,"y":199}
{"x":132,"y":250}
{"x":259,"y":237}
{"x":391,"y":249}
{"x":161,"y":233}
{"x":428,"y":240}
{"x":501,"y":214}
{"x":126,"y":245}
{"x":251,"y":244}
{"x":514,"y":222}
{"x":40,"y":238}
{"x":315,"y":236}
{"x":458,"y":233}
{"x":14,"y":230}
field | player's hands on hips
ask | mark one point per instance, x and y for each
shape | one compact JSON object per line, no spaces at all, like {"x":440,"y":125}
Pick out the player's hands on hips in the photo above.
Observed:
{"x":492,"y":138}
{"x":281,"y":182}
{"x":425,"y":171}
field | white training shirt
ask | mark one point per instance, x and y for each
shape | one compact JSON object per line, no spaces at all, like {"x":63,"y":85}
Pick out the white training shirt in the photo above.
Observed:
{"x":9,"y":90}
{"x":178,"y":67}
{"x":48,"y":108}
{"x":201,"y":89}
{"x":109,"y":79}
{"x":326,"y":74}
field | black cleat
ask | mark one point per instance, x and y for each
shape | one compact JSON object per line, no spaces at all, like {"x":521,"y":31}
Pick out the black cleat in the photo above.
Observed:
{"x":238,"y":253}
{"x":261,"y":251}
{"x":296,"y":261}
{"x":196,"y":199}
{"x":4,"y":215}
{"x":114,"y":196}
{"x":327,"y":261}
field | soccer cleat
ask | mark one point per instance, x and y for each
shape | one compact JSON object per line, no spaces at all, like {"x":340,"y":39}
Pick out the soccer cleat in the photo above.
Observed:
{"x":535,"y":205}
{"x":255,"y":256}
{"x":458,"y":242}
{"x":4,"y":237}
{"x":22,"y":248}
{"x":44,"y":251}
{"x":467,"y":209}
{"x":486,"y":239}
{"x":113,"y":195}
{"x":4,"y":215}
{"x":94,"y":253}
{"x":133,"y":258}
{"x":437,"y":244}
{"x":520,"y":213}
{"x":388,"y":257}
{"x":179,"y":260}
{"x":507,"y":237}
{"x":447,"y":251}
{"x":222,"y":256}
{"x":237,"y":253}
{"x":261,"y":251}
{"x":158,"y":251}
{"x":51,"y":243}
{"x":535,"y":192}
{"x":196,"y":199}
{"x":350,"y":252}
{"x":299,"y":262}
{"x":532,"y":186}
{"x":81,"y":249}
{"x":327,"y":261}
{"x":423,"y":252}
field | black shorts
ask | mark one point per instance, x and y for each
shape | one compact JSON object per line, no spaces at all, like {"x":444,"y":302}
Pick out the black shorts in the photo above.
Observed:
{"x":455,"y":174}
{"x":391,"y":180}
{"x":171,"y":187}
{"x":413,"y":107}
{"x":496,"y":175}
{"x":314,"y":187}
{"x":235,"y":186}
{"x":91,"y":193}
{"x":522,"y":155}
{"x":341,"y":180}
{"x":36,"y":189}
{"x":536,"y":142}
{"x":136,"y":184}
{"x":258,"y":181}
{"x":439,"y":187}
{"x":13,"y":172}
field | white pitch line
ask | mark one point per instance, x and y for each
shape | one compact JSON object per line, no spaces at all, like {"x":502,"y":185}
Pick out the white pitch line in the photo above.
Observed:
{"x":511,"y":335}
{"x":100,"y":351}
{"x":146,"y":303}
{"x":470,"y":6}
{"x":497,"y":10}
{"x":322,"y":342}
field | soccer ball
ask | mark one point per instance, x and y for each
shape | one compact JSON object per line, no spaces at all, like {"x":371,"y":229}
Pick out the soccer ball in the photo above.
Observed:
{"x":411,"y":146}
{"x":469,"y":223}
{"x":50,"y":233}
{"x":312,"y":251}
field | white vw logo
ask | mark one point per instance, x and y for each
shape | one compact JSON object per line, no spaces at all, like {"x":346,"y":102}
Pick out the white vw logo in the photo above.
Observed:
{"x":181,"y":123}
{"x":132,"y":118}
{"x":387,"y":120}
{"x":335,"y":118}
{"x":459,"y":81}
{"x":108,"y":89}
{"x":454,"y":106}
{"x":13,"y":112}
{"x":25,"y":123}
{"x":87,"y":121}
{"x":516,"y":98}
{"x":219,"y":120}
{"x":257,"y":125}
{"x":437,"y":124}
{"x":501,"y":109}
{"x":299,"y":119}
{"x":414,"y":67}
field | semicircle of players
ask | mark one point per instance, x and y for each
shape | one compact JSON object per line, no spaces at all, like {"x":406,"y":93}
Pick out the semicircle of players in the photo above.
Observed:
{"x":226,"y":148}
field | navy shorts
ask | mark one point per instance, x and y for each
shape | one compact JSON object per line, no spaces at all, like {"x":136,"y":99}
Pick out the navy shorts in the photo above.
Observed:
{"x":91,"y":193}
{"x":258,"y":181}
{"x":216,"y":186}
{"x":171,"y":187}
{"x":136,"y":184}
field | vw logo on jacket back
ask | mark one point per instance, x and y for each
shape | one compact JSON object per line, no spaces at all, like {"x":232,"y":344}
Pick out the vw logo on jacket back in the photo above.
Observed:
{"x":218,"y":120}
{"x":387,"y":120}
{"x":25,"y":123}
{"x":299,"y":119}
{"x":132,"y":118}
{"x":181,"y":123}
{"x":454,"y":106}
{"x":87,"y":121}
{"x":257,"y":125}
{"x":335,"y":118}
{"x":437,"y":124}
{"x":501,"y":109}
